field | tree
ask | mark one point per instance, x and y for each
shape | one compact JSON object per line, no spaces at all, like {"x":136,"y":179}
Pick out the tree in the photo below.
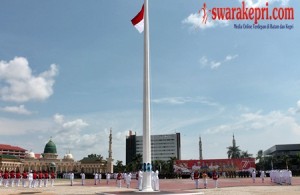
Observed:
{"x":261,"y":160}
{"x":297,"y":158}
{"x":245,"y":154}
{"x":119,"y":167}
{"x":157,"y":165}
{"x":135,"y":164}
{"x":286,"y":159}
{"x":137,"y":161}
{"x":233,"y":152}
{"x":171,"y":164}
{"x":99,"y":156}
{"x":259,"y":156}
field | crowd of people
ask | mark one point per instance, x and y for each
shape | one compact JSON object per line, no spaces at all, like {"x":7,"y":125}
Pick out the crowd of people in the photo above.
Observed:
{"x":196,"y":175}
{"x":120,"y":178}
{"x":154,"y":180}
{"x":32,"y":179}
{"x":276,"y":176}
{"x":281,"y":176}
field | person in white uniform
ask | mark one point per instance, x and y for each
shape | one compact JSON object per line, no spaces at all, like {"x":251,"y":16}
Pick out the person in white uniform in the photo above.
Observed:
{"x":253,"y":175}
{"x":262,"y":176}
{"x":71,"y":178}
{"x":140,"y":180}
{"x":82,"y":178}
{"x":156,"y":181}
{"x":95,"y":178}
{"x":107,"y":178}
{"x":128,"y":180}
{"x":30,"y":179}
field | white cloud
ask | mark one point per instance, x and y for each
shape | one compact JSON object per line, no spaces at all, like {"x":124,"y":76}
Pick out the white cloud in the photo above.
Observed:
{"x":17,"y":127}
{"x":20,"y":85}
{"x":77,"y":124}
{"x":216,"y":64}
{"x":184,"y":100}
{"x":69,"y":126}
{"x":211,"y":63}
{"x":296,"y":109}
{"x":204,"y":60}
{"x":16,"y":109}
{"x":253,"y":131}
{"x":230,"y":57}
{"x":274,"y":121}
{"x":262,"y":3}
{"x":70,"y":135}
{"x":196,"y":21}
{"x":58,"y":118}
{"x":89,"y":134}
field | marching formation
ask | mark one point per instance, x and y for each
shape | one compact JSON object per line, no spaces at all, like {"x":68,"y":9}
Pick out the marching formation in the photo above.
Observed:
{"x":196,"y":175}
{"x":39,"y":179}
{"x":281,"y":176}
{"x":121,"y":178}
{"x":276,"y":176}
{"x":32,"y":179}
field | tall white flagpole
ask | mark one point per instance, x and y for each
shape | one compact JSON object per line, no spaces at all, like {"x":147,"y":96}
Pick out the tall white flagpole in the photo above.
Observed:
{"x":146,"y":107}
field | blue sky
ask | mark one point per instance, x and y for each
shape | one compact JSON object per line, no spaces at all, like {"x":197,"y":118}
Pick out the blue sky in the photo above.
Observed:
{"x":73,"y":70}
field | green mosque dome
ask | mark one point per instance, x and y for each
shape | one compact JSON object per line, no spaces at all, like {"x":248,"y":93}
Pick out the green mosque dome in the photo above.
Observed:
{"x":50,"y":147}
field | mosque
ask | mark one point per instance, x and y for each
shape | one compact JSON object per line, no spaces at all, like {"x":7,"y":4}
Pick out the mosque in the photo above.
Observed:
{"x":14,"y":158}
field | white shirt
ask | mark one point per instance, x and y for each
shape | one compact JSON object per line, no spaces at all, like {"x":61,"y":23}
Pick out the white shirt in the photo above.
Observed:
{"x":30,"y":176}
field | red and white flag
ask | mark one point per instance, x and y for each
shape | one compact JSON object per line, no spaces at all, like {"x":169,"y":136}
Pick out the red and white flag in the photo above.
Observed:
{"x":138,"y":21}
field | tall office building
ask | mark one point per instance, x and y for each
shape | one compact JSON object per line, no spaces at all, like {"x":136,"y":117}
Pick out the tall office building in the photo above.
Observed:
{"x":130,"y":147}
{"x":163,"y":147}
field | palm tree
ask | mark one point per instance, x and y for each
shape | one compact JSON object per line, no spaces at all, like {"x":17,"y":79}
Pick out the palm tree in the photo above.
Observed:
{"x":233,"y":152}
{"x":245,"y":154}
{"x":171,"y":164}
{"x":157,"y":165}
{"x":136,"y":161}
{"x":297,"y":158}
{"x":164,"y":167}
{"x":119,"y":167}
{"x":259,"y":156}
{"x":286,"y":159}
{"x":95,"y":156}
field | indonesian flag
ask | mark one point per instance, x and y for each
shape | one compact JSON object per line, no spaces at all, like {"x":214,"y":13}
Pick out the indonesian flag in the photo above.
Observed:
{"x":138,"y":21}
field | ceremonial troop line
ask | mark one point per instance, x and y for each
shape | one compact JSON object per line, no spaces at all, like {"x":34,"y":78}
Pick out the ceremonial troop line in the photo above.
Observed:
{"x":276,"y":176}
{"x":32,"y":179}
{"x":119,"y":177}
{"x":35,"y":179}
{"x":281,"y":176}
{"x":196,"y":177}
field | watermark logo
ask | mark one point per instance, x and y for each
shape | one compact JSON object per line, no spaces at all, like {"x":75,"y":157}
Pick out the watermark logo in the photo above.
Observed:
{"x":247,"y":13}
{"x":205,"y":15}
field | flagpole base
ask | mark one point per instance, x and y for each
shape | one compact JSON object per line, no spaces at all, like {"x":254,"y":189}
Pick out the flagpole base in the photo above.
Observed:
{"x":148,"y":190}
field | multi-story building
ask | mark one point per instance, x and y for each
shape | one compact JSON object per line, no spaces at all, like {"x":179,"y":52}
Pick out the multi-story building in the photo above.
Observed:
{"x":12,"y":150}
{"x":163,"y":147}
{"x":130,"y":147}
{"x":283,"y":149}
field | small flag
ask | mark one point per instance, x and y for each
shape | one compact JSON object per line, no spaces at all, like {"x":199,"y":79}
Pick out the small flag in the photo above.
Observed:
{"x":138,"y":21}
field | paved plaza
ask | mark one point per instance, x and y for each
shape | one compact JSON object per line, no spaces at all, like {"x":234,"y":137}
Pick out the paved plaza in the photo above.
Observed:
{"x":227,"y":186}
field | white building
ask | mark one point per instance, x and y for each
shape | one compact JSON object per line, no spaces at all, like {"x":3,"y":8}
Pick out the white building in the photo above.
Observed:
{"x":163,"y":147}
